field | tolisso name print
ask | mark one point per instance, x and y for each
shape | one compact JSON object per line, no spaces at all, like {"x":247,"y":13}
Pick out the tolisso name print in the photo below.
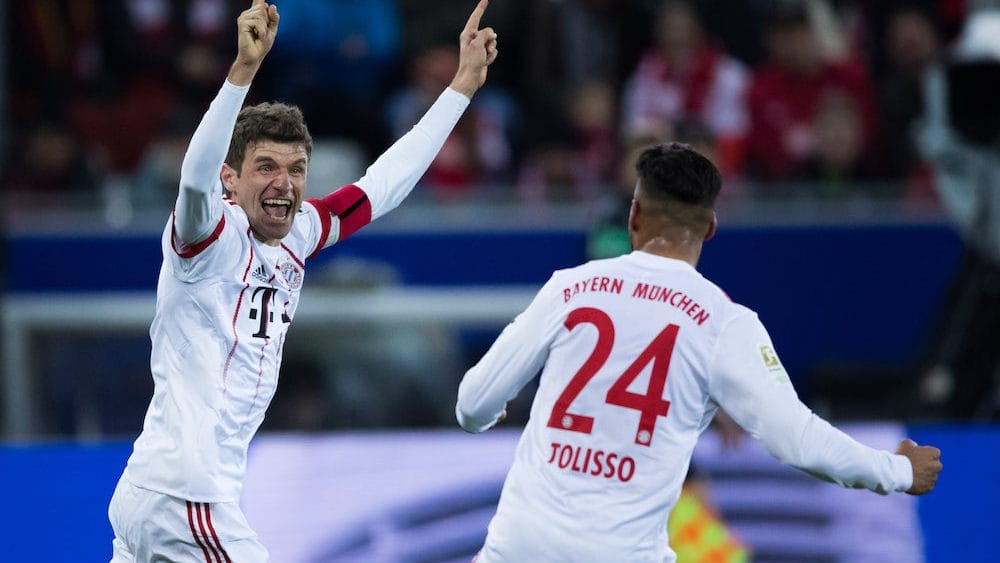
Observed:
{"x":596,"y":463}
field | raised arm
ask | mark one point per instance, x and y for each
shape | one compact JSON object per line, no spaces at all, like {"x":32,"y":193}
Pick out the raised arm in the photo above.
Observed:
{"x":199,"y":205}
{"x":394,"y":174}
{"x":477,"y":51}
{"x":748,"y":381}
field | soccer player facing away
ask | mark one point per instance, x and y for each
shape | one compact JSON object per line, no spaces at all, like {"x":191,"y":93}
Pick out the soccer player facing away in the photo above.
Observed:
{"x":229,"y":287}
{"x":637,"y":353}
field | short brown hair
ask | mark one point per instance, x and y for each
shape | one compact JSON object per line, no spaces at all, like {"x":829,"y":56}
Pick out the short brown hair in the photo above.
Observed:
{"x":277,"y":122}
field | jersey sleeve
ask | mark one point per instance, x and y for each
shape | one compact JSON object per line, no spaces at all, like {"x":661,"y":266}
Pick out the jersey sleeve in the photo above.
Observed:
{"x":514,"y":359}
{"x":340,"y":214}
{"x":748,"y":381}
{"x":198,"y":215}
{"x":393,"y":174}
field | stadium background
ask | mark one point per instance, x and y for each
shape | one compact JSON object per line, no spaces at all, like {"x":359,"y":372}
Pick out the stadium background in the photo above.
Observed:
{"x":857,"y":276}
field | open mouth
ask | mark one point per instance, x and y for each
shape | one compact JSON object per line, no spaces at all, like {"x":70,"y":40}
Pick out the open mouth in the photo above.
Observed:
{"x":277,"y":208}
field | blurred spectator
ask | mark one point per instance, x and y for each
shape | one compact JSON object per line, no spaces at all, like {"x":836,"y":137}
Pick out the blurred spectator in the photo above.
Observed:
{"x":333,"y":59}
{"x":51,"y":160}
{"x":686,"y":77}
{"x":479,"y":150}
{"x":572,"y":43}
{"x":181,"y":45}
{"x":116,"y":67}
{"x":571,"y":154}
{"x":738,"y":26}
{"x":837,"y":162}
{"x":159,"y":173}
{"x":912,"y":46}
{"x":62,"y":52}
{"x":786,"y":95}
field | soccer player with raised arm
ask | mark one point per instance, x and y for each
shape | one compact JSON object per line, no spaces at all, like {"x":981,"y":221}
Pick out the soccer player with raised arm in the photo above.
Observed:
{"x":636,"y":355}
{"x":228,"y":289}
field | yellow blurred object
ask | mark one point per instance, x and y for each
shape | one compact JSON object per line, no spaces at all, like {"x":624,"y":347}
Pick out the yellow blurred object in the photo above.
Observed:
{"x":698,"y":535}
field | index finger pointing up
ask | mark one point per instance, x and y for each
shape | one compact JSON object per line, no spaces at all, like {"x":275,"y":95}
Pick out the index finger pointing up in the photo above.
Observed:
{"x":477,"y":14}
{"x":255,"y":3}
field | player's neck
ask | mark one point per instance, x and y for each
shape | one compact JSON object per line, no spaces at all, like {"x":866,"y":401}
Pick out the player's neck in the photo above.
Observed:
{"x":685,"y":250}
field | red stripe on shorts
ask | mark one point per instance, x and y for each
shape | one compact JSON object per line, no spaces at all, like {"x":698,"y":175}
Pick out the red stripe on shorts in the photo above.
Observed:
{"x":208,"y":518}
{"x":204,"y":534}
{"x":194,"y":534}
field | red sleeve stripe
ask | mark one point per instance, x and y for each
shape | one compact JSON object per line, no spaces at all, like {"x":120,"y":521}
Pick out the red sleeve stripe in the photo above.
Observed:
{"x":325,"y":221}
{"x":350,"y":204}
{"x":190,"y":251}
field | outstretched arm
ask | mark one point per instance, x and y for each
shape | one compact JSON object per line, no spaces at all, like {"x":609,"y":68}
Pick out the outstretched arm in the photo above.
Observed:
{"x":199,"y":205}
{"x":748,"y":381}
{"x":511,"y":362}
{"x":394,"y":174}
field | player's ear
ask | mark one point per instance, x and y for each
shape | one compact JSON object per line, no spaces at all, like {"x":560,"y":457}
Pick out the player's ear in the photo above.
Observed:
{"x":633,"y":216}
{"x":229,"y":178}
{"x":712,"y":226}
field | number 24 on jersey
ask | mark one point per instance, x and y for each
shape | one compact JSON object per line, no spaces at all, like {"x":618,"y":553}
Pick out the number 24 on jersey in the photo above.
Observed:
{"x":651,"y":405}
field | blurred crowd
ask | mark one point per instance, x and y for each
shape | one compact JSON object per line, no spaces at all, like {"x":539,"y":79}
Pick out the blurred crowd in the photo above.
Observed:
{"x":823,"y":99}
{"x":817,"y":93}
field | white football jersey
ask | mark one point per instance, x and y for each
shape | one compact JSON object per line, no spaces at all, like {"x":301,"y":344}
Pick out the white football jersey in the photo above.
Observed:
{"x":222,"y":311}
{"x":637,"y":353}
{"x":224,"y":304}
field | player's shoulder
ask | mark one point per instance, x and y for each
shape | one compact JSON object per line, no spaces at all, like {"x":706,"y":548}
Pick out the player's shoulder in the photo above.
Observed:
{"x":727,"y":308}
{"x":589,"y":268}
{"x":234,"y":214}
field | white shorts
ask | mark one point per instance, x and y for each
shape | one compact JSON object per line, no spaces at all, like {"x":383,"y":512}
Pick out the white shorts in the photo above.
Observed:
{"x":151,"y":526}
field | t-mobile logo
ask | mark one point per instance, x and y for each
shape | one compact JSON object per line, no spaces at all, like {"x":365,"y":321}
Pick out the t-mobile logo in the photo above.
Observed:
{"x":262,"y":309}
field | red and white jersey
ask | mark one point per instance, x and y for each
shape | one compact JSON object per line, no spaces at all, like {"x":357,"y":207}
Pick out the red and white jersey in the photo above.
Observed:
{"x":636,"y":354}
{"x":224,"y":303}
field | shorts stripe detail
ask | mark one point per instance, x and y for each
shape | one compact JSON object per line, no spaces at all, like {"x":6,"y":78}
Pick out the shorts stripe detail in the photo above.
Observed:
{"x":208,"y":519}
{"x":194,"y":534}
{"x":204,"y":534}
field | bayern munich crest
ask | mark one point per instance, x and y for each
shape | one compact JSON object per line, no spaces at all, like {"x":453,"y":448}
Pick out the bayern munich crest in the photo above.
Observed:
{"x":292,"y":274}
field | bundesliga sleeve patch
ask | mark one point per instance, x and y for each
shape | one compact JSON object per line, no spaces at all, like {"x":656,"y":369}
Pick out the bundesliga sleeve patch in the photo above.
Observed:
{"x":770,"y":358}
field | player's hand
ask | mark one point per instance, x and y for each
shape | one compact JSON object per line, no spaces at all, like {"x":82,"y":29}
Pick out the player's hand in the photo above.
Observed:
{"x":257,"y":28}
{"x":926,"y":462}
{"x":477,"y":51}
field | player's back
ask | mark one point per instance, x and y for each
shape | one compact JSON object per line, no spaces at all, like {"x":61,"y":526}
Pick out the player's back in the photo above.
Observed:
{"x":621,"y":402}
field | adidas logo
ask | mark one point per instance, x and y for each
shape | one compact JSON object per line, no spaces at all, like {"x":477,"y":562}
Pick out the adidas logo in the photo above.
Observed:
{"x":260,"y":274}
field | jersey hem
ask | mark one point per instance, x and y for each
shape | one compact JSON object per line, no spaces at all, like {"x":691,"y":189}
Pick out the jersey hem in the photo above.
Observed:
{"x":176,"y":494}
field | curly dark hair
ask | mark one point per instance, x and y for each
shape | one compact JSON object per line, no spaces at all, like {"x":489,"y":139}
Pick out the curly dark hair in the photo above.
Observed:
{"x":277,"y":122}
